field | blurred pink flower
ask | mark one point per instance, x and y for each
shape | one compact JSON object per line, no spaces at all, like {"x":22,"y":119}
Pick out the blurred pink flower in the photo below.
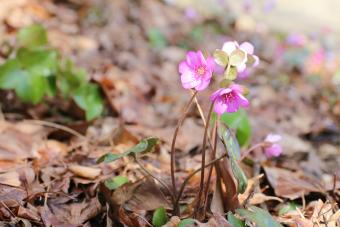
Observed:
{"x":273,"y":149}
{"x":196,"y":71}
{"x":296,"y":39}
{"x":246,"y":47}
{"x":190,"y":13}
{"x":228,"y":99}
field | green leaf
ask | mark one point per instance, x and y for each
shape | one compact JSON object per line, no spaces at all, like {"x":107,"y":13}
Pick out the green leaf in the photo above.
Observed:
{"x":250,"y":60}
{"x":231,"y":74}
{"x":31,"y":88}
{"x":70,"y":78}
{"x":241,"y":178}
{"x":291,"y":206}
{"x":234,"y":221}
{"x":116,"y":182}
{"x":144,"y":146}
{"x":186,"y":222}
{"x":159,"y":217}
{"x":10,"y":74}
{"x":32,"y":36}
{"x":240,"y":122}
{"x":237,"y":57}
{"x":88,"y":98}
{"x":156,"y":38}
{"x":230,"y":142}
{"x":38,"y":61}
{"x":221,"y":57}
{"x":259,"y":216}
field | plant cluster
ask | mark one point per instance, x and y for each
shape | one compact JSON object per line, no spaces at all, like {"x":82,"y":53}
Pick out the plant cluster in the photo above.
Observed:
{"x":37,"y":71}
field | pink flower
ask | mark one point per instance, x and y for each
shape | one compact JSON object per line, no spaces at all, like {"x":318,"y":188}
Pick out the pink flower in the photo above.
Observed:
{"x":247,"y":48}
{"x":228,"y":99}
{"x":196,"y":71}
{"x":273,"y":149}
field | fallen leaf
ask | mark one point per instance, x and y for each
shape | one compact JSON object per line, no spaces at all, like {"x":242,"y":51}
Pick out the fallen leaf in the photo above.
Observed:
{"x":290,"y":184}
{"x":10,"y":178}
{"x":12,"y":196}
{"x":85,"y":171}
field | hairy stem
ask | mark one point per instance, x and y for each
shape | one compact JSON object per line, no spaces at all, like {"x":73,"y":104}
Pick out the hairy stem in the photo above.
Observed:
{"x":185,"y":182}
{"x":210,"y":169}
{"x":203,"y":159}
{"x":172,"y":152}
{"x":140,"y":164}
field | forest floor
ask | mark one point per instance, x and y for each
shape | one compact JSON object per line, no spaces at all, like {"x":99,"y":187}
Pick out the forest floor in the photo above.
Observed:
{"x":48,"y":171}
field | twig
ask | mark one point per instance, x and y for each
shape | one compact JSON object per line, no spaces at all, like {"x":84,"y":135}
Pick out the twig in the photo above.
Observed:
{"x":172,"y":152}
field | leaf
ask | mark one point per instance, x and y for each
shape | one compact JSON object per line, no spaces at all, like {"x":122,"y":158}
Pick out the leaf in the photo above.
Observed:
{"x":38,"y":61}
{"x":144,"y":146}
{"x":237,"y":57}
{"x":234,"y":221}
{"x":32,"y":36}
{"x":241,"y":178}
{"x":159,"y":217}
{"x":239,"y":121}
{"x":89,"y":99}
{"x":10,"y":74}
{"x":259,"y":216}
{"x":231,"y":74}
{"x":291,"y":206}
{"x":186,"y":222}
{"x":156,"y":38}
{"x":31,"y":88}
{"x":221,"y":57}
{"x":230,"y":142}
{"x":250,"y":60}
{"x":70,"y":78}
{"x":116,"y":182}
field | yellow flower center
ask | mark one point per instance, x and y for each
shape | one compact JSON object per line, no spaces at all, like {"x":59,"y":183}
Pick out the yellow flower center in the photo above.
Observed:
{"x":201,"y":71}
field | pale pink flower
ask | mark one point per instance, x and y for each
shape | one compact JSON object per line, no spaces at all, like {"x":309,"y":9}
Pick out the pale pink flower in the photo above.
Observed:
{"x":196,"y":71}
{"x":273,"y":149}
{"x":246,"y":47}
{"x":229,"y":99}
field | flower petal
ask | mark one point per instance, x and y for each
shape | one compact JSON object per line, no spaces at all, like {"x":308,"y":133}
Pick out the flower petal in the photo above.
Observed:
{"x":229,"y":47}
{"x":189,"y":80}
{"x":201,"y":58}
{"x":241,"y":100}
{"x":204,"y":84}
{"x":219,"y":106}
{"x":247,"y":47}
{"x":273,"y":138}
{"x":273,"y":151}
{"x":193,"y":59}
{"x":183,"y":67}
{"x":216,"y":94}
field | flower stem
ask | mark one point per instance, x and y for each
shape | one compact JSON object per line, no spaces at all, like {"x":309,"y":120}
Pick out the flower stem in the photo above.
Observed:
{"x":185,"y":182}
{"x":172,"y":152}
{"x":203,"y":159}
{"x":245,"y":154}
{"x":140,"y":164}
{"x":210,"y":169}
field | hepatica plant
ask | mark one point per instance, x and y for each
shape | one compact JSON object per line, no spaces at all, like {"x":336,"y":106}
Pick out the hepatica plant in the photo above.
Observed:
{"x":37,"y":71}
{"x":225,"y":116}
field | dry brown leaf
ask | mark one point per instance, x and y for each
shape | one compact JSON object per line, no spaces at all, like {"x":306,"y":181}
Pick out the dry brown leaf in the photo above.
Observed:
{"x":85,"y":171}
{"x":290,"y":184}
{"x":12,"y":196}
{"x":10,"y":178}
{"x":30,"y":214}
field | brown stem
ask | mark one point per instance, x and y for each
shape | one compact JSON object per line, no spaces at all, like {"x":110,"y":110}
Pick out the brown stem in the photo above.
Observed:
{"x":191,"y":175}
{"x":156,"y":178}
{"x":203,"y":159}
{"x":210,"y":169}
{"x":172,"y":152}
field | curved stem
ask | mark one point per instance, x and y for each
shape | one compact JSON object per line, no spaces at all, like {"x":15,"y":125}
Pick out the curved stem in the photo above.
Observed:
{"x":156,"y":178}
{"x":245,"y":154}
{"x":185,"y":182}
{"x":172,"y":152}
{"x":203,"y":158}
